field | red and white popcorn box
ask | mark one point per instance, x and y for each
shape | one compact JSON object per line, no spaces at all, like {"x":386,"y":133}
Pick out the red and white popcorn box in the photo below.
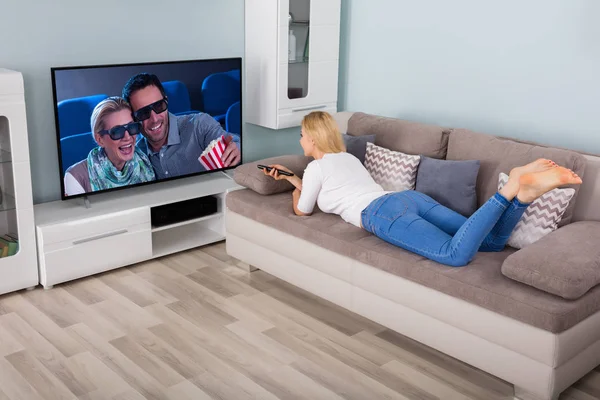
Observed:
{"x":212,"y":157}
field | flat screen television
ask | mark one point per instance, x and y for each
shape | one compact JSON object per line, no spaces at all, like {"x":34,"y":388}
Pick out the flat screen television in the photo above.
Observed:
{"x":126,"y":125}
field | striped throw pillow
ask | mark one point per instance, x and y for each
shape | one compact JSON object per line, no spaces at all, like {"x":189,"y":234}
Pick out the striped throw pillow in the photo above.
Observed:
{"x":541,"y":217}
{"x":393,"y":170}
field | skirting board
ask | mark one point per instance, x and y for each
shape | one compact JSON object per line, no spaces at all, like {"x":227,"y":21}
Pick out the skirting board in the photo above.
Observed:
{"x":531,"y":375}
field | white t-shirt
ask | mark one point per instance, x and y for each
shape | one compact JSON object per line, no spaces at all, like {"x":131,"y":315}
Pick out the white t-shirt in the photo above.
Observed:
{"x":339,"y":184}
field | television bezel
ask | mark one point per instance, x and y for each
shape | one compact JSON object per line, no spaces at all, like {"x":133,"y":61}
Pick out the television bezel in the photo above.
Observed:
{"x":53,"y":71}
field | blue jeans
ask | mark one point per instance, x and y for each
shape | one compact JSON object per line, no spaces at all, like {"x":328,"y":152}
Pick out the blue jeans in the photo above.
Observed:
{"x":418,"y":223}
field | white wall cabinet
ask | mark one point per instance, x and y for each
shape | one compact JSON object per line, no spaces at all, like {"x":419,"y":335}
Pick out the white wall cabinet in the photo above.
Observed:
{"x":283,"y":86}
{"x":18,"y":263}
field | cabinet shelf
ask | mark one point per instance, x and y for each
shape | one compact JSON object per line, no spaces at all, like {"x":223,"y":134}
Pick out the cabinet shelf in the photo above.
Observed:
{"x":300,"y":22}
{"x":183,"y":238}
{"x":191,"y":221}
{"x":5,"y":156}
{"x":301,"y":60}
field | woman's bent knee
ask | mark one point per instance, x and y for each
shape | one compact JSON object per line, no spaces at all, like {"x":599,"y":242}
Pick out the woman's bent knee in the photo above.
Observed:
{"x":458,"y":261}
{"x":489,"y":246}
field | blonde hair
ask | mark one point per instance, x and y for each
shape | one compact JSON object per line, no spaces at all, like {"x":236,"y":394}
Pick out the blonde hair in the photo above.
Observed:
{"x":103,"y":109}
{"x":323,"y":130}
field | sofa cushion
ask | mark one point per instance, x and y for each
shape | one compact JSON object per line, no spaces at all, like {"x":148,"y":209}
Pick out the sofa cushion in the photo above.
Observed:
{"x":481,"y":282}
{"x":399,"y":135}
{"x":501,"y":155}
{"x":450,"y":183}
{"x":357,"y":145}
{"x":541,"y":217}
{"x":565,"y":263}
{"x":249,"y":176}
{"x":393,"y":170}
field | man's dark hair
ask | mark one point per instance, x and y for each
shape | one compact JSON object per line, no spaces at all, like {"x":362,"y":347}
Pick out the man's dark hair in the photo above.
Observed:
{"x":139,"y":82}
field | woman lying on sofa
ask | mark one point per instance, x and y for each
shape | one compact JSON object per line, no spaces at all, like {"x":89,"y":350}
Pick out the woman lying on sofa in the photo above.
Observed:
{"x":340,"y":184}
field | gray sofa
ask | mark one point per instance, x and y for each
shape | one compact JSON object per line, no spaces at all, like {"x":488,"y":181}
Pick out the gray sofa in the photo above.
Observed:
{"x":538,"y":340}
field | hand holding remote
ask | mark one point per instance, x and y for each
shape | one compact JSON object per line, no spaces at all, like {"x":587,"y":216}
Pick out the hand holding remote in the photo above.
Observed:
{"x":279,"y":172}
{"x":276,"y":171}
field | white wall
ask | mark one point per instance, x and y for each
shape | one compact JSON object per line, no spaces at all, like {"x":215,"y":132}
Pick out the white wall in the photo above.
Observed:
{"x":36,"y":35}
{"x":528,"y":69}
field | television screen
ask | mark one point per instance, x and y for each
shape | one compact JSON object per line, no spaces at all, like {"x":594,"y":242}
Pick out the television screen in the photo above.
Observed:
{"x":133,"y":124}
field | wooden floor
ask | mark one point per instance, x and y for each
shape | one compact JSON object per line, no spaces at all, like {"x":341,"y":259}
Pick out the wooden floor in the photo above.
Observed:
{"x":194,"y":326}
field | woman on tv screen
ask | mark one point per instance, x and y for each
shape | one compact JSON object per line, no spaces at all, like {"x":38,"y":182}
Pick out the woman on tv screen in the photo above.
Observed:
{"x":116,"y":161}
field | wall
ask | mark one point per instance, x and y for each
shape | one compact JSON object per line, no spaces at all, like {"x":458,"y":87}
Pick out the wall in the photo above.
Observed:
{"x":524,"y":69}
{"x":36,"y":35}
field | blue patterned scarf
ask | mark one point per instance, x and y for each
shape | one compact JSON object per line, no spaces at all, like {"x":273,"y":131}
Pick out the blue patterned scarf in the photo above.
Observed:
{"x":103,"y":174}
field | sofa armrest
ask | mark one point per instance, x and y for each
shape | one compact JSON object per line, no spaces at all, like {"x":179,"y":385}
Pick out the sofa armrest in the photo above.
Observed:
{"x":249,"y":176}
{"x":565,"y":262}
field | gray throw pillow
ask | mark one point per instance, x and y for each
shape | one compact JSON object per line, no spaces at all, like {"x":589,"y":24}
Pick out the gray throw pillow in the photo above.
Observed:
{"x":249,"y":176}
{"x":451,"y":183}
{"x":357,"y":145}
{"x":565,"y":263}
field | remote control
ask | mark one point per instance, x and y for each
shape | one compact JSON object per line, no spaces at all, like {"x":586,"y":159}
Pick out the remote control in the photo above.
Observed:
{"x":280,"y":171}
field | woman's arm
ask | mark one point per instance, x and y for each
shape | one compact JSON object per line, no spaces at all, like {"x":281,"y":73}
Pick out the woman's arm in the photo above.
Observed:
{"x":306,"y":189}
{"x":294,"y":180}
{"x":295,"y":199}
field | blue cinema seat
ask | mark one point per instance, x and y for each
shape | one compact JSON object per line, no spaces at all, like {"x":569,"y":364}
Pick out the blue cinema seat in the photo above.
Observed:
{"x":234,"y":73}
{"x":75,"y":148}
{"x":74,"y":114}
{"x":219,"y":91}
{"x":179,"y":98}
{"x":233,"y":123}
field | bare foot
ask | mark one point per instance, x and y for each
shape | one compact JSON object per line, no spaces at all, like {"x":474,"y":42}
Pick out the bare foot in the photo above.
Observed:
{"x":512,"y":187}
{"x":535,"y":184}
{"x":539,"y":165}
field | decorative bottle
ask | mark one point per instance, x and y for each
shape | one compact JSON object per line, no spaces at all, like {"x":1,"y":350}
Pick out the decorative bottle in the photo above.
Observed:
{"x":292,"y":46}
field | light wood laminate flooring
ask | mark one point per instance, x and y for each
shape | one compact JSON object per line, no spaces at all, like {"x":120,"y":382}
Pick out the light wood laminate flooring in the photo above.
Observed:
{"x":195,"y":326}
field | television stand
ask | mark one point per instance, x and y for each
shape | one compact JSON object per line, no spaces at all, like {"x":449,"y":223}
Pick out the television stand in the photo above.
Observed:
{"x":75,"y":241}
{"x":86,"y":202}
{"x":228,"y":176}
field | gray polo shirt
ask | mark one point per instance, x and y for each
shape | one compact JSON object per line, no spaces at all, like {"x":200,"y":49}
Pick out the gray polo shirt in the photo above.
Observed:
{"x":189,"y":135}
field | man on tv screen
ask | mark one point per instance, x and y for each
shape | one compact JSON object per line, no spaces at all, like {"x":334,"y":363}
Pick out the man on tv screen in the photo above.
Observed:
{"x":177,"y":144}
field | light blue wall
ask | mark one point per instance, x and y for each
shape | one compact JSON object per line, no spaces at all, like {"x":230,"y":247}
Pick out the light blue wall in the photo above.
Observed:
{"x":528,"y":69}
{"x":35,"y":35}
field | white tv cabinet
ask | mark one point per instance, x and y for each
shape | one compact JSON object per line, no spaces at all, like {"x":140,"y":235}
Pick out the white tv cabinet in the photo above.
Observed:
{"x":116,"y":230}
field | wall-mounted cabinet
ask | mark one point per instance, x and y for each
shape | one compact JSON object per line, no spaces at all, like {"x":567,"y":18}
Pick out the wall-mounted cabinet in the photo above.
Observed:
{"x":292,"y":59}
